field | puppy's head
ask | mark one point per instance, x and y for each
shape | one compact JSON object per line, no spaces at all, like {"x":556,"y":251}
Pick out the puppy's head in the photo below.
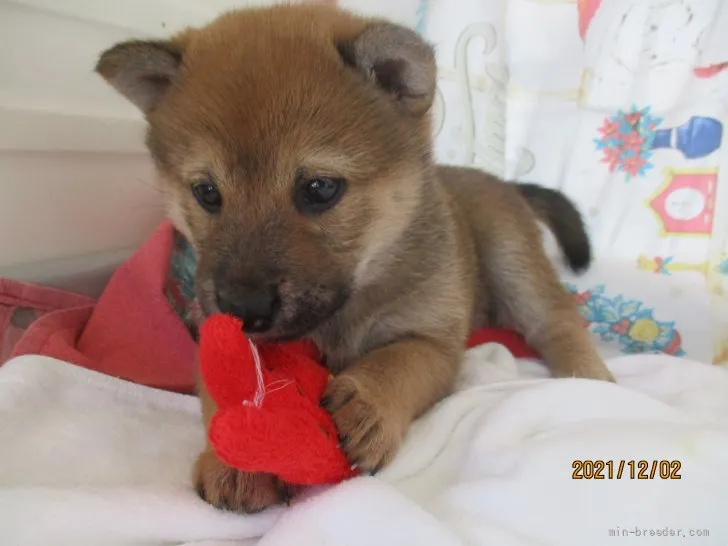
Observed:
{"x":292,"y":143}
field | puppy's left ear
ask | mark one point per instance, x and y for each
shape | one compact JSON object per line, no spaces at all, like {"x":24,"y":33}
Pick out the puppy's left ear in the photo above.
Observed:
{"x":398,"y":61}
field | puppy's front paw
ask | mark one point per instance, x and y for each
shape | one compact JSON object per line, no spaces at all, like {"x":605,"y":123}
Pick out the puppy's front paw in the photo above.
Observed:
{"x":230,"y":489}
{"x":370,"y":434}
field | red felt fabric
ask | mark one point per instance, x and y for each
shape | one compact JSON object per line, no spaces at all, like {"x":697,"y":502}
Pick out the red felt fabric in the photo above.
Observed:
{"x":510,"y":339}
{"x":284,"y":431}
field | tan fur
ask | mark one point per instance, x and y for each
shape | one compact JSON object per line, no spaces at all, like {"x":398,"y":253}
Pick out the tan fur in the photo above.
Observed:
{"x":421,"y":254}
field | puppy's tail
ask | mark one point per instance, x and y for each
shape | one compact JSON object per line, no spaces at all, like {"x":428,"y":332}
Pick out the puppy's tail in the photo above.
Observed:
{"x":563,"y":219}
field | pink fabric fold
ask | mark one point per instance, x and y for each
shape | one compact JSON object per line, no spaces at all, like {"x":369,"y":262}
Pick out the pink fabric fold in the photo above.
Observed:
{"x":131,"y":332}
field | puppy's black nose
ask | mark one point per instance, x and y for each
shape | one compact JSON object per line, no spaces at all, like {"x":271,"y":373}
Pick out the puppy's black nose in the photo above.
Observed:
{"x":255,"y":306}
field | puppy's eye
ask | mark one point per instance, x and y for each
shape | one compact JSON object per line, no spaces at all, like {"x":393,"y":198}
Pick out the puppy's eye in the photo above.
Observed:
{"x":207,"y":196}
{"x":319,"y":194}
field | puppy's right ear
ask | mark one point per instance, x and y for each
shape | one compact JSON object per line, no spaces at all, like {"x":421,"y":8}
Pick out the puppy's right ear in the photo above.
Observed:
{"x":141,"y":70}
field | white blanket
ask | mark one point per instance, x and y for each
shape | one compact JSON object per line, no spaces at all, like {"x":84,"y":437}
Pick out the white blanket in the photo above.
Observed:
{"x":90,"y":460}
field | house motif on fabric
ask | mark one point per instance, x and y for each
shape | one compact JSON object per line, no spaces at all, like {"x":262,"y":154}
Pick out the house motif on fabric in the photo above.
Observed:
{"x":684,"y":204}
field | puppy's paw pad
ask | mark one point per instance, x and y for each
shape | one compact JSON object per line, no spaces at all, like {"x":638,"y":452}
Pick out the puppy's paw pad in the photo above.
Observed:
{"x":370,"y":434}
{"x":230,"y":489}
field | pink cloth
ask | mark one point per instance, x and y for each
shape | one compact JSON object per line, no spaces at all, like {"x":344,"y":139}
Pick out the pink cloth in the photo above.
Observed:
{"x":36,"y":316}
{"x":131,"y":332}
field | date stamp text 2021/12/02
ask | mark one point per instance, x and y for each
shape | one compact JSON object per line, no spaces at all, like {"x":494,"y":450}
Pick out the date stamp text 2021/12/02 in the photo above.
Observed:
{"x":633,"y":469}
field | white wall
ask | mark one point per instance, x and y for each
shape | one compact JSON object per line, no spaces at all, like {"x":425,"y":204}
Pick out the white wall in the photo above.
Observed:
{"x":76,"y":186}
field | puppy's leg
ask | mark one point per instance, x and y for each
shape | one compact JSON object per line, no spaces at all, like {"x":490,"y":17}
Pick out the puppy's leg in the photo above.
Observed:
{"x":531,"y":298}
{"x":374,"y":400}
{"x":231,"y":489}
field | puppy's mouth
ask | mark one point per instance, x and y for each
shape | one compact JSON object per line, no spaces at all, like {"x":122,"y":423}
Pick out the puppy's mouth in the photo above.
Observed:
{"x":300,"y":313}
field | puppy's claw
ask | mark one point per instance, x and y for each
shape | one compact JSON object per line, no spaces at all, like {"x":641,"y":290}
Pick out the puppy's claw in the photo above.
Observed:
{"x":335,"y":401}
{"x":286,"y":494}
{"x":369,"y":433}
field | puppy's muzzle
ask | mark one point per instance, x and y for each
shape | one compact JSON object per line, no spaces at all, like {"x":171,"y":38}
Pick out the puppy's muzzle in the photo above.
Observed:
{"x":256,"y":306}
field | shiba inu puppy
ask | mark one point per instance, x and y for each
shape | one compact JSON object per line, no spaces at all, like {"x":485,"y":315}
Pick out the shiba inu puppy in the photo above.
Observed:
{"x":294,"y":146}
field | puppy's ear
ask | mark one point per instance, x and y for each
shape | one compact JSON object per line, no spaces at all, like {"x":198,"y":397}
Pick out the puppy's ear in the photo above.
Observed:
{"x":397,"y":60}
{"x":141,"y":70}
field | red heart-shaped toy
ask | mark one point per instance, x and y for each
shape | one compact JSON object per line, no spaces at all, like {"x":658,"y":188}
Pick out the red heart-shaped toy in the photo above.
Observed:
{"x":268,"y":416}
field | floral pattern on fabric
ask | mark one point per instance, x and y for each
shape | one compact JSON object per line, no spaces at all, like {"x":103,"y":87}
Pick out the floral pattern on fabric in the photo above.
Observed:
{"x":626,"y":140}
{"x":616,"y":319}
{"x":180,"y":286}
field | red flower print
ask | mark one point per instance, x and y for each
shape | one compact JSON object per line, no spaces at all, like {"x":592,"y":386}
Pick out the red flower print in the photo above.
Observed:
{"x":633,"y":165}
{"x":633,"y":118}
{"x":611,"y":157}
{"x":621,"y":327}
{"x":609,"y":129}
{"x":674,"y":347}
{"x":582,"y":298}
{"x":633,"y":142}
